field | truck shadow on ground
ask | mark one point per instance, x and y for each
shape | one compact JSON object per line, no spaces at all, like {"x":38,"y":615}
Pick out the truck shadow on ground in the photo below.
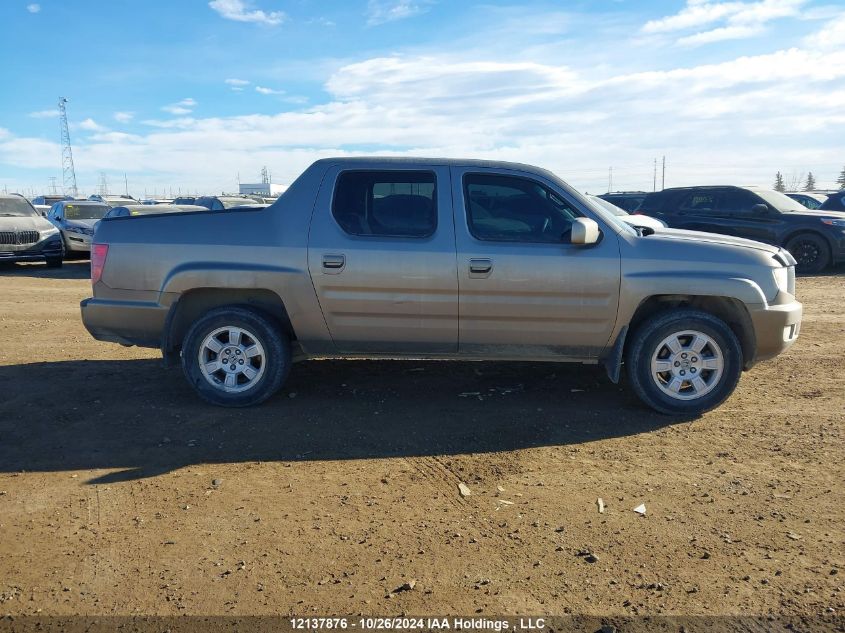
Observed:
{"x":72,"y":269}
{"x":144,"y":420}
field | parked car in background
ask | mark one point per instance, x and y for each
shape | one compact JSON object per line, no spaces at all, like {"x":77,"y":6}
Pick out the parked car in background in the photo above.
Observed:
{"x":151,"y":201}
{"x":25,"y":236}
{"x":440,"y":259}
{"x":634,"y":219}
{"x":835,"y":202}
{"x":133,"y":210}
{"x":114,"y":201}
{"x":150,"y":209}
{"x":49,"y":200}
{"x":185,"y":200}
{"x":815,"y":238}
{"x":75,"y":219}
{"x":807,"y":199}
{"x":220,"y":203}
{"x":630,"y":201}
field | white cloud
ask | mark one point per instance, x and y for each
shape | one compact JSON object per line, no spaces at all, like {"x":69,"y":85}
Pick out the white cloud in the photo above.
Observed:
{"x":725,"y":122}
{"x":44,"y":114}
{"x":268,"y":91}
{"x":381,"y":11}
{"x":720,"y":34}
{"x":739,"y":19}
{"x":185,"y":106}
{"x":90,"y":125}
{"x":239,"y":11}
{"x":33,"y":8}
{"x":123,"y":117}
{"x":830,"y":36}
{"x":237,"y":84}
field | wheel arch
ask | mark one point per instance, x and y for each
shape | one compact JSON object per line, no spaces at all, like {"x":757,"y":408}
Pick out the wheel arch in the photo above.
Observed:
{"x":192,"y":304}
{"x":730,"y":310}
{"x":809,"y":231}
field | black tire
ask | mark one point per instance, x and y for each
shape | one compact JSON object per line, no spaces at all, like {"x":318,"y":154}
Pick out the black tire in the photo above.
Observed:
{"x":645,"y":343}
{"x":257,"y":328}
{"x":54,"y":262}
{"x":811,"y":251}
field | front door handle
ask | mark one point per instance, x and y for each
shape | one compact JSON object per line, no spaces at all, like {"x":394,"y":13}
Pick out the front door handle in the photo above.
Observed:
{"x":480,"y":267}
{"x":333,"y":264}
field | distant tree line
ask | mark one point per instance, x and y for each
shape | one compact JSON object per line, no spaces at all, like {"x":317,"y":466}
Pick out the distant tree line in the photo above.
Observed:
{"x":797,"y":182}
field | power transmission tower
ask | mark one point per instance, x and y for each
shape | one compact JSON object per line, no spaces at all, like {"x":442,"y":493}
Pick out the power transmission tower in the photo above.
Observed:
{"x":265,"y":176}
{"x":68,"y":172}
{"x":53,"y":189}
{"x":103,"y":186}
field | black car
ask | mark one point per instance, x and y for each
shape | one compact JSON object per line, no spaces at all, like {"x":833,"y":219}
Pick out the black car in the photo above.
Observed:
{"x":628,"y":200}
{"x":815,"y":238}
{"x":834,"y":202}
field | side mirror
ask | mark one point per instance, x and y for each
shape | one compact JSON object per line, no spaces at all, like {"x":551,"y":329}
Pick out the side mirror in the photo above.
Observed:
{"x":760,"y":209}
{"x":584,"y":232}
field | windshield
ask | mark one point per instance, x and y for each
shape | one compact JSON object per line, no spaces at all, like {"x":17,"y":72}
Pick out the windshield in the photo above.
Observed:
{"x":780,"y":201}
{"x":16,"y":208}
{"x":85,"y":211}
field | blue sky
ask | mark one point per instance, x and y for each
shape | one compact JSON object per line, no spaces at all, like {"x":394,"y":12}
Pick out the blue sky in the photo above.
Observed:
{"x":190,"y":94}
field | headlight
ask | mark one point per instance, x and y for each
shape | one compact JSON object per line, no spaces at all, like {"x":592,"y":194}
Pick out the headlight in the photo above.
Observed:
{"x":52,"y":231}
{"x":74,"y":229}
{"x":781,"y":278}
{"x":833,"y":222}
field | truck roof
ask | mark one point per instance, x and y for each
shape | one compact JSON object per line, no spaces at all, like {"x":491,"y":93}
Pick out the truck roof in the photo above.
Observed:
{"x":419,"y":160}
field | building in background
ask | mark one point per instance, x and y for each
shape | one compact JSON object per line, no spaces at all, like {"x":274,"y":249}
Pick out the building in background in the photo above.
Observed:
{"x":269,"y":189}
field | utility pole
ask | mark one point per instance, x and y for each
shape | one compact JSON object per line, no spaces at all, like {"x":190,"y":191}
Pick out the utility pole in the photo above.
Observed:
{"x":654,"y":182}
{"x":609,"y":179}
{"x":68,"y":171}
{"x":125,"y":184}
{"x":663,"y":179}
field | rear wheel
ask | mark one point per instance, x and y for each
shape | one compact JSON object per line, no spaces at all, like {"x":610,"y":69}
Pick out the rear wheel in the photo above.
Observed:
{"x":235,"y":357}
{"x":684,"y":362}
{"x":811,"y":251}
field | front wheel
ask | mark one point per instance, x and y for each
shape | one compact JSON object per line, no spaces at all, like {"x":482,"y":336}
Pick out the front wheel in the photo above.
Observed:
{"x":684,"y":362}
{"x":811,"y":251}
{"x":235,"y":357}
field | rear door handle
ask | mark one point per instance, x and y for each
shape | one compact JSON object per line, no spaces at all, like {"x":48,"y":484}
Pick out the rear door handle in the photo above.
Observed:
{"x":333,"y":264}
{"x":480,"y":267}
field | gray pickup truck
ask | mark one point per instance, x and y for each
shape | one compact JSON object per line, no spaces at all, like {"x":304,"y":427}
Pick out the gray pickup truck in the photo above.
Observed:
{"x":439,"y":259}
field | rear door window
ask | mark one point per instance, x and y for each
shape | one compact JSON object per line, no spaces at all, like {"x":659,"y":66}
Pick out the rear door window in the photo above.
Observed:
{"x":699,"y":203}
{"x":398,"y":203}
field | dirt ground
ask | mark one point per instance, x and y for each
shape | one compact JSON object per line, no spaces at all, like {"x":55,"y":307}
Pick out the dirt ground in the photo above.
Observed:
{"x":122,"y":493}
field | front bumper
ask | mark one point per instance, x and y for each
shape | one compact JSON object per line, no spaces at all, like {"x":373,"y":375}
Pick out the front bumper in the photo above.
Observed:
{"x":776,"y":325}
{"x":125,"y":322}
{"x":50,"y":248}
{"x":77,"y":242}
